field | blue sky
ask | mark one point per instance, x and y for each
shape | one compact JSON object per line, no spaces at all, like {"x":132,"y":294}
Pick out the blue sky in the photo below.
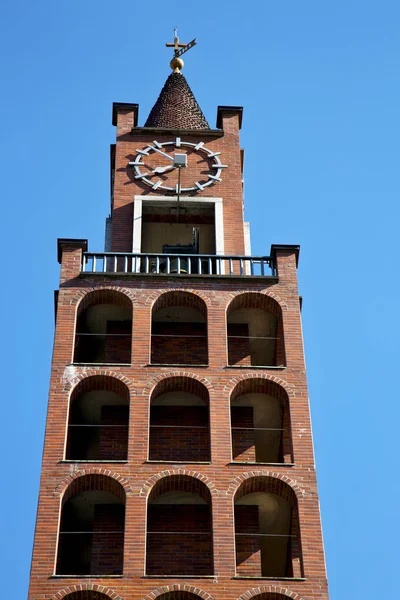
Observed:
{"x":319,"y":82}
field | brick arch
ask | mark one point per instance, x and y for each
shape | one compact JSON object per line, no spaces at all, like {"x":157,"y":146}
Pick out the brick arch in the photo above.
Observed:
{"x":174,"y":383}
{"x":260,"y":385}
{"x":252,"y":479}
{"x":269,"y":592}
{"x":150,"y":387}
{"x":235,"y":381}
{"x":86,"y":591}
{"x":174,"y":591}
{"x":72,"y":381}
{"x":101,"y":382}
{"x":77,"y":299}
{"x":152,"y":298}
{"x":274,"y":298}
{"x":148,"y":486}
{"x":62,"y":488}
{"x":105,"y":296}
{"x":183,"y":298}
{"x":181,"y":483}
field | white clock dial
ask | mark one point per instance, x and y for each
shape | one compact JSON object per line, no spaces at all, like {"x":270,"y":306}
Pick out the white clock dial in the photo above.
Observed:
{"x":166,"y":165}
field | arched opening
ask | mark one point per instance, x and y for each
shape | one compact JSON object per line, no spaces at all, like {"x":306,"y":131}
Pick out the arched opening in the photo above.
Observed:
{"x":91,"y":536}
{"x":267,"y":529}
{"x":104,"y":328}
{"x":255,"y":331}
{"x":98,"y":420}
{"x":260,"y":422}
{"x":179,"y":528}
{"x":179,"y":330}
{"x":179,"y":421}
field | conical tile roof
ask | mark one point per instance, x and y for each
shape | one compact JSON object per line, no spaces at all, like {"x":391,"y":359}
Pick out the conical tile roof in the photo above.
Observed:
{"x":176,"y":107}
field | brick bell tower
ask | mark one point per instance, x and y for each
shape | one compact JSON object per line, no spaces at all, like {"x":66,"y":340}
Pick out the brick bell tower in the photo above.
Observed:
{"x":178,"y":459}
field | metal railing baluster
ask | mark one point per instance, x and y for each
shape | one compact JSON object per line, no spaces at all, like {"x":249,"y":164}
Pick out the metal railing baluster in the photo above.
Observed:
{"x":171,"y":264}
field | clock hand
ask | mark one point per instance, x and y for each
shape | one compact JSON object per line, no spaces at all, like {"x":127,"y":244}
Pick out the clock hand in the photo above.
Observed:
{"x":161,"y":152}
{"x":163,"y":169}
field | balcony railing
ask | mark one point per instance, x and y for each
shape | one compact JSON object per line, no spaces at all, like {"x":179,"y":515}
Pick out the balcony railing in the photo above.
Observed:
{"x":177,"y":264}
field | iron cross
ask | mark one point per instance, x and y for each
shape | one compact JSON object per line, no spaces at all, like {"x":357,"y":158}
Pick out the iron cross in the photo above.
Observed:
{"x":179,"y":49}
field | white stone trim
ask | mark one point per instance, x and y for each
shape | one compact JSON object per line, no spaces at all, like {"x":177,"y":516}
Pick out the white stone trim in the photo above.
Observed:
{"x":137,"y":218}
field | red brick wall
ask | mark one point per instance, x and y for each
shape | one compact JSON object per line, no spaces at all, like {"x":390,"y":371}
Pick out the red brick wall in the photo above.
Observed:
{"x":179,"y":343}
{"x":243,"y":440}
{"x":179,"y":540}
{"x":107,"y":552}
{"x":190,"y":441}
{"x":238,"y":344}
{"x":248,"y":547}
{"x":113,"y":440}
{"x":138,"y":477}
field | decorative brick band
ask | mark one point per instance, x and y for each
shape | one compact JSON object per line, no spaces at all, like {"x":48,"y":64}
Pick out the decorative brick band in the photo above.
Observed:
{"x":269,"y":592}
{"x":178,"y":587}
{"x":182,"y":298}
{"x":259,"y":475}
{"x":150,"y":483}
{"x":83,"y":592}
{"x":73,"y":376}
{"x":150,"y":387}
{"x":62,"y":487}
{"x":102,"y":292}
{"x":231,"y":385}
{"x":272,"y":295}
{"x":153,"y":298}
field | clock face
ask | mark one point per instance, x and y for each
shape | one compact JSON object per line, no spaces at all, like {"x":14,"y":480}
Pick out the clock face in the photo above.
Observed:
{"x":157,"y":166}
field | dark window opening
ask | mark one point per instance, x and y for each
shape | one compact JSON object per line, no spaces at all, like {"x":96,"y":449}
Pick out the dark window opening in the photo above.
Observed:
{"x":179,"y":433}
{"x":179,"y":330}
{"x":179,"y":534}
{"x":179,"y":343}
{"x":98,"y":420}
{"x":91,"y":537}
{"x":103,"y":333}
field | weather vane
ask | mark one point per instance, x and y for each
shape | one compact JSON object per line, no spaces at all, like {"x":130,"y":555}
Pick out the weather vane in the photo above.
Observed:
{"x":177,"y":63}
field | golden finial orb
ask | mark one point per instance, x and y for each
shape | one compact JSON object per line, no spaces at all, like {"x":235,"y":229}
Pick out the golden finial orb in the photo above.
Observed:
{"x":176,"y":64}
